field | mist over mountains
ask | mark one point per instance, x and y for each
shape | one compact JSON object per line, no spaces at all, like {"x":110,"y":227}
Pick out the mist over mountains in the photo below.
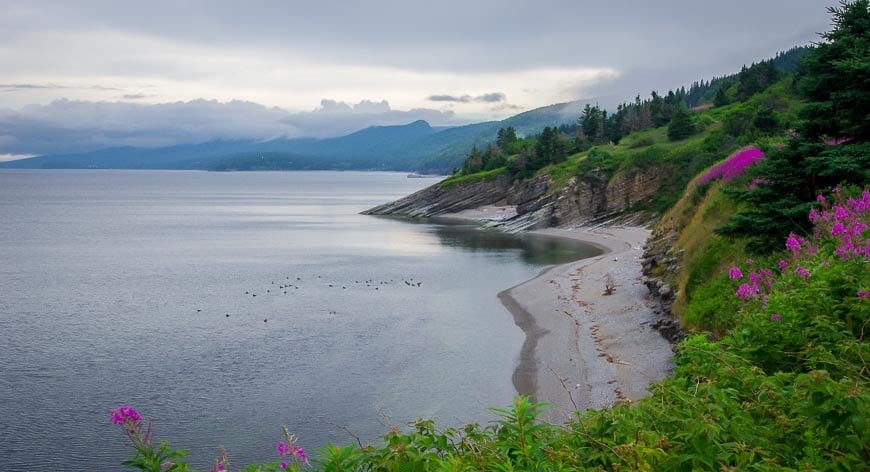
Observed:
{"x":426,"y":145}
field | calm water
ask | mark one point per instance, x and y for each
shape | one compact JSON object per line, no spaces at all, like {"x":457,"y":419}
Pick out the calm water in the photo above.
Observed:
{"x":115,"y":288}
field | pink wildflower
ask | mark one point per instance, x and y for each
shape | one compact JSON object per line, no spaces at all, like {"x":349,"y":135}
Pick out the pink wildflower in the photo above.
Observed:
{"x":793,"y":244}
{"x":734,"y":166}
{"x":734,"y":273}
{"x":801,"y":271}
{"x":775,"y":317}
{"x":745,"y":291}
{"x":122,"y":414}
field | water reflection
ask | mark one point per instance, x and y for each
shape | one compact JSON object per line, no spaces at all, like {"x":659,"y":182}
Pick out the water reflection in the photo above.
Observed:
{"x":534,"y":249}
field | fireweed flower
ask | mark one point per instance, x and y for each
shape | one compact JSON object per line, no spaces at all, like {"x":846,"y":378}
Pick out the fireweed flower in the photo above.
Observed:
{"x":820,"y":198}
{"x":863,"y":293}
{"x":775,"y":317}
{"x":283,"y":464}
{"x":299,"y":453}
{"x":734,"y":166}
{"x":745,"y":291}
{"x":793,"y":244}
{"x":283,"y":449}
{"x":292,"y":450}
{"x":734,"y":273}
{"x":801,"y":271}
{"x":782,"y":265}
{"x":121,"y":414}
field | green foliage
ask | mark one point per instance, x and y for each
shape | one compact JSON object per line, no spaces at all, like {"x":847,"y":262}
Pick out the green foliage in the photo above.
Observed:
{"x":834,"y":81}
{"x":681,"y":125}
{"x":160,"y":458}
{"x":721,"y":98}
{"x":756,"y":78}
{"x":795,"y":175}
{"x":483,"y":176}
{"x":834,"y":78}
{"x":550,"y":149}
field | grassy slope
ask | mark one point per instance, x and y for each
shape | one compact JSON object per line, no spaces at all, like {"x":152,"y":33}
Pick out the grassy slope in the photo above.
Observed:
{"x":686,"y":210}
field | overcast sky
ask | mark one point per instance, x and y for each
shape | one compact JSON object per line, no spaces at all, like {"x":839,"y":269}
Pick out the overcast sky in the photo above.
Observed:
{"x":289,"y":68}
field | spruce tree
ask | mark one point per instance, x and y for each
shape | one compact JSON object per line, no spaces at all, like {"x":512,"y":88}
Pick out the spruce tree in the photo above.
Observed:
{"x":836,"y":77}
{"x":835,"y":83}
{"x":681,"y":126}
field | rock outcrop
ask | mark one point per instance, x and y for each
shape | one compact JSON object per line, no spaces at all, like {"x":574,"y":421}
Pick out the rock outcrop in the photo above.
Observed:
{"x":661,"y":264}
{"x":436,"y":200}
{"x":539,"y":202}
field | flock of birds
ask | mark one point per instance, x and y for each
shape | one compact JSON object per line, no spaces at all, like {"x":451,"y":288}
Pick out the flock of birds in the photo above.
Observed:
{"x":291,"y":284}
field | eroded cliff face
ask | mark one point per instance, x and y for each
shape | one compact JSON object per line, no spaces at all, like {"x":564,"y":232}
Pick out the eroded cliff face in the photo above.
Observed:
{"x":539,"y":202}
{"x":436,"y":200}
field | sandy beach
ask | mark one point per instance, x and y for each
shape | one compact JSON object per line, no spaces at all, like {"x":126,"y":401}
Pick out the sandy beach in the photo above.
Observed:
{"x":584,"y":349}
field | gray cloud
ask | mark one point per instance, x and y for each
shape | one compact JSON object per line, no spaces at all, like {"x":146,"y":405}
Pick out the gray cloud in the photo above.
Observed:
{"x":492,"y":97}
{"x":50,"y":48}
{"x":485,"y":98}
{"x":450,"y":98}
{"x":65,"y":126}
{"x":449,"y":35}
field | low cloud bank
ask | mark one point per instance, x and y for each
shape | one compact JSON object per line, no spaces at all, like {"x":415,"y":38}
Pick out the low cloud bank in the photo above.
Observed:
{"x":66,"y":126}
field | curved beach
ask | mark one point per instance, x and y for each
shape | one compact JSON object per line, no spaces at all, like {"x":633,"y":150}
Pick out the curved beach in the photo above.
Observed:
{"x":584,"y":349}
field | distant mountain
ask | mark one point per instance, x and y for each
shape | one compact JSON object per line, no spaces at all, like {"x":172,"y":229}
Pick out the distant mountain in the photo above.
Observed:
{"x":413,"y":147}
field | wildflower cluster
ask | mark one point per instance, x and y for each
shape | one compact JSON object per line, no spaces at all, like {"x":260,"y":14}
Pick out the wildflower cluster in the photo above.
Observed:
{"x":123,"y":414}
{"x":159,"y":458}
{"x":734,"y":165}
{"x":759,"y":281}
{"x":840,"y":227}
{"x":844,"y":224}
{"x":288,"y":448}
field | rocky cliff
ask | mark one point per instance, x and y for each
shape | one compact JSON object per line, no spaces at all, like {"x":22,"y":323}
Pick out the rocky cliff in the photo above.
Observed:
{"x":539,"y":201}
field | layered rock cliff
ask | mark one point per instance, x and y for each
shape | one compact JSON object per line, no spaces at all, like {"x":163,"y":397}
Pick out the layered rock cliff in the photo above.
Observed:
{"x":539,"y":201}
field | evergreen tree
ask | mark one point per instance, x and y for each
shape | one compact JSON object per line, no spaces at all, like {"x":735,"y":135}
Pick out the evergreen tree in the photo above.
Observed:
{"x":836,"y":77}
{"x":506,"y":138}
{"x":681,"y":126}
{"x":590,"y":123}
{"x":837,"y":92}
{"x":656,"y":106}
{"x":721,"y":99}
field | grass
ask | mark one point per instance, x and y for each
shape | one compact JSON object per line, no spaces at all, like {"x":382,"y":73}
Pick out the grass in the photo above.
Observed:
{"x":484,"y":176}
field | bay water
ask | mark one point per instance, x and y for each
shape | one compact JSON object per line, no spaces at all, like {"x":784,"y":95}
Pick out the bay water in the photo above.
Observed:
{"x":224,"y":306}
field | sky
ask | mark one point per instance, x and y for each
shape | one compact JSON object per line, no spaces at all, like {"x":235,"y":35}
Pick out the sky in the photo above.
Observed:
{"x":88,"y":74}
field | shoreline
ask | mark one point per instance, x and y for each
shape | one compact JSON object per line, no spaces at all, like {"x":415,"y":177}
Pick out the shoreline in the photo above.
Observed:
{"x":584,"y":349}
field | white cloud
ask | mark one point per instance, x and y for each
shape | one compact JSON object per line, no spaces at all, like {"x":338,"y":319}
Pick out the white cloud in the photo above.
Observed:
{"x":14,"y":157}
